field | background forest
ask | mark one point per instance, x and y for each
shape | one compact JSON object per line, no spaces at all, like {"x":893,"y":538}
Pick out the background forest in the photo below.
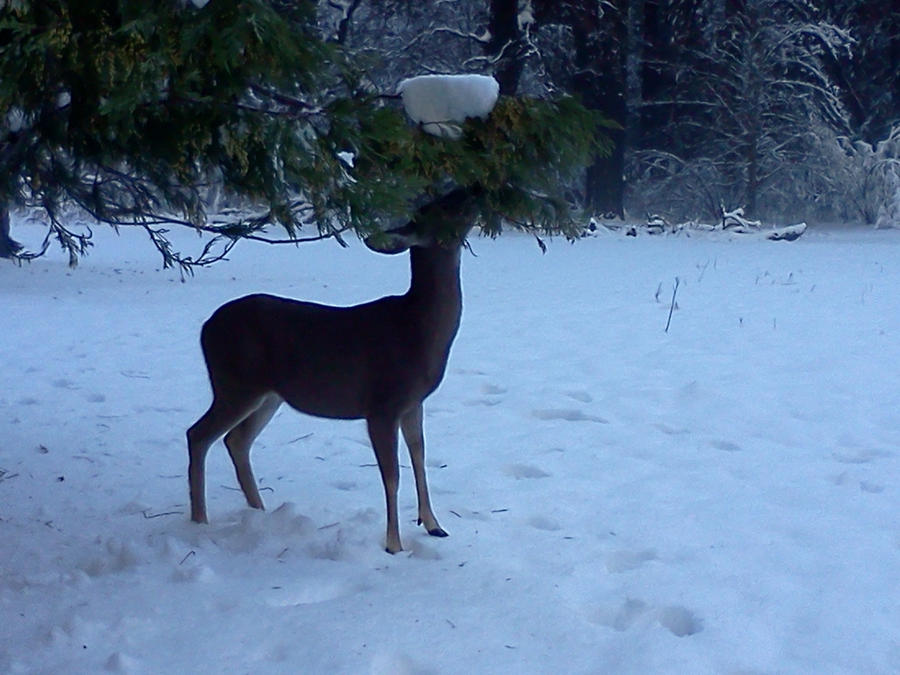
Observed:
{"x":169,"y":113}
{"x":788,"y":108}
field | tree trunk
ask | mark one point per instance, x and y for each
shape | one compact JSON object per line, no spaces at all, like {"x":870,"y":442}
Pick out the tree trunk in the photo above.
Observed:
{"x":752,"y":176}
{"x":634,"y":59}
{"x":343,"y":29}
{"x":600,"y":80}
{"x":8,"y":246}
{"x":895,"y":58}
{"x":506,"y":40}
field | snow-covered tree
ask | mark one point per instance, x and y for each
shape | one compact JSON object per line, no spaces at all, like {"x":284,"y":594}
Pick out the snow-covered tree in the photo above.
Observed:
{"x":869,"y":79}
{"x":747,"y":91}
{"x":131,"y":111}
{"x":860,"y":179}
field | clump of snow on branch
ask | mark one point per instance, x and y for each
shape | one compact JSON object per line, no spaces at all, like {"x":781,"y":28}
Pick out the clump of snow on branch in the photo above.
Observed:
{"x":347,"y":158}
{"x":16,"y":119}
{"x":440,"y":103}
{"x":525,"y":19}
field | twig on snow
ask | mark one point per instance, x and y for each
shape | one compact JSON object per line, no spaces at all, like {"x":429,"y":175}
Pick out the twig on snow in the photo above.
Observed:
{"x":672,"y":306}
{"x":148,"y":516}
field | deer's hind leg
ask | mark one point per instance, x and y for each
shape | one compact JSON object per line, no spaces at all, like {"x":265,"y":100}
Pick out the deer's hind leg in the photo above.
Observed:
{"x":239,"y":441}
{"x":223,"y":415}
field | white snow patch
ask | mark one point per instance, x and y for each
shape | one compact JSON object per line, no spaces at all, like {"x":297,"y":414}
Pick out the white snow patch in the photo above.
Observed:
{"x":720,"y":498}
{"x":347,"y":158}
{"x":440,"y":103}
{"x":15,"y":118}
{"x":525,"y":18}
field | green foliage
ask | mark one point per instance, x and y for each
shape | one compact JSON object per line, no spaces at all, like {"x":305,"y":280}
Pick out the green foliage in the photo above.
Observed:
{"x":130,"y":109}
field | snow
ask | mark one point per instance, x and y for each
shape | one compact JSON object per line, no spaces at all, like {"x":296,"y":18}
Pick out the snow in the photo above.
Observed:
{"x":889,"y":212}
{"x":525,"y":18}
{"x":15,"y":119}
{"x":347,"y":158}
{"x":719,"y":498}
{"x":442,"y":102}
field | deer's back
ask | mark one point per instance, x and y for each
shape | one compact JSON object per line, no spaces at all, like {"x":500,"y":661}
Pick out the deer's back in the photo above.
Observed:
{"x":329,"y":361}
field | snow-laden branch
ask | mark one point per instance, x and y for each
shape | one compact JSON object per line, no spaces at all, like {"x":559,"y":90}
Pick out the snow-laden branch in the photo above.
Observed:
{"x":481,"y":38}
{"x":440,"y":103}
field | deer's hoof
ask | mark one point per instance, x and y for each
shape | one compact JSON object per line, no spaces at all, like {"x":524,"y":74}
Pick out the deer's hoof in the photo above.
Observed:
{"x":438,"y":532}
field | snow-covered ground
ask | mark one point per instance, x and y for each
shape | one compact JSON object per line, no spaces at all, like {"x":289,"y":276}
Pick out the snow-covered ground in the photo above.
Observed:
{"x":721,"y":498}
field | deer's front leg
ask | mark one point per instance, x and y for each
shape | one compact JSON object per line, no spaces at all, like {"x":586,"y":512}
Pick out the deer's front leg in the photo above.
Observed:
{"x":413,"y":434}
{"x":383,"y":434}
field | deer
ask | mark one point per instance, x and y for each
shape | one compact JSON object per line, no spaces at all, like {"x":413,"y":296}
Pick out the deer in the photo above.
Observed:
{"x":376,"y":361}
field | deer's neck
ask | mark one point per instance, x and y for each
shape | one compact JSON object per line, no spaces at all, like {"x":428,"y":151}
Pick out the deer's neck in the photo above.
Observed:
{"x":435,"y":291}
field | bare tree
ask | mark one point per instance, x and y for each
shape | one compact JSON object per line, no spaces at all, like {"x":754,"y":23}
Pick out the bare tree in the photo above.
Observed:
{"x":744,"y":106}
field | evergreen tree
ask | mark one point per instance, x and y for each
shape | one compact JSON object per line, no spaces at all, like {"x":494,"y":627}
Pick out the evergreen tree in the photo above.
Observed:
{"x":133,"y":111}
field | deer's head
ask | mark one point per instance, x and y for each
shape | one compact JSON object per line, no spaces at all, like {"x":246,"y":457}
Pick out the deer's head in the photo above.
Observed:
{"x":444,"y":222}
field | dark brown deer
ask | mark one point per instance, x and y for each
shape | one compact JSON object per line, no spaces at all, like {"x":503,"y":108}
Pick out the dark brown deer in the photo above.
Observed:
{"x":377,"y":361}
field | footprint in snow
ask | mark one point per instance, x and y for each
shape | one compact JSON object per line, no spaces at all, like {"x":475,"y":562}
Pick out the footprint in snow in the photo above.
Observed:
{"x":672,"y":431}
{"x":581,"y":396}
{"x":680,"y":621}
{"x":544,"y":523}
{"x":119,"y":662}
{"x":625,"y":561}
{"x":520,"y":471}
{"x":345,"y":485}
{"x":193,"y":574}
{"x":468,"y":371}
{"x":309,"y":593}
{"x":492,"y":394}
{"x":487,"y":402}
{"x":395,"y":663}
{"x":567,"y":414}
{"x":726,"y":446}
{"x":859,"y":457}
{"x":623,"y":617}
